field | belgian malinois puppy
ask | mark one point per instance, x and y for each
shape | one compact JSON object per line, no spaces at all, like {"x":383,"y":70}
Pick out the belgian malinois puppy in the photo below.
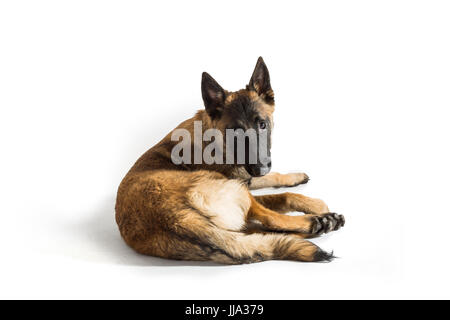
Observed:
{"x":205,"y":212}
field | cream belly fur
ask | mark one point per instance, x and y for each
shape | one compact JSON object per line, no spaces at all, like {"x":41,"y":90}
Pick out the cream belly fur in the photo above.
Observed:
{"x":225,"y":202}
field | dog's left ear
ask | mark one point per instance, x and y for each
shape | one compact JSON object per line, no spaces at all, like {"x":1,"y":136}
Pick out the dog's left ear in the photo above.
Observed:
{"x":213,"y":96}
{"x":260,"y":82}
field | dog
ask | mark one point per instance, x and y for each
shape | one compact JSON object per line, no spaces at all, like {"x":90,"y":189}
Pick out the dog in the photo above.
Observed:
{"x":205,"y":212}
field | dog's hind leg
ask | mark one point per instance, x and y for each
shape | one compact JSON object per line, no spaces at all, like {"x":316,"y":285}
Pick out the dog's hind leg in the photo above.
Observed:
{"x":278,"y":180}
{"x":309,"y":225}
{"x":288,"y":202}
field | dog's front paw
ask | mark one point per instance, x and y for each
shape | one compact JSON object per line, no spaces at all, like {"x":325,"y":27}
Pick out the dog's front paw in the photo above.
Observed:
{"x":294,"y":179}
{"x":326,"y":223}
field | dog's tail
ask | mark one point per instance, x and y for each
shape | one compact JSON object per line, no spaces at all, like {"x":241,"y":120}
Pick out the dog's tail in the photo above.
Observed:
{"x":237,"y":248}
{"x":229,"y":247}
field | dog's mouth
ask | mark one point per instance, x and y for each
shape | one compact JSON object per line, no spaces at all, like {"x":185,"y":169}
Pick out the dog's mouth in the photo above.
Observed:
{"x":258,"y":170}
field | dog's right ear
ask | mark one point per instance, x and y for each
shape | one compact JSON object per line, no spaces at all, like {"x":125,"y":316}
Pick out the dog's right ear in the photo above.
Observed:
{"x":213,"y":96}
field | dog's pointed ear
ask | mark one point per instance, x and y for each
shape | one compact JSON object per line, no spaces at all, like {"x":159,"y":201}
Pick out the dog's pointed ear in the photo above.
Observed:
{"x":260,"y":81}
{"x":213,"y":96}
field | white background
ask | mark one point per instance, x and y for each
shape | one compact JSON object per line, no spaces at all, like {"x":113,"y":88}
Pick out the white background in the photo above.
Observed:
{"x":362,"y":100}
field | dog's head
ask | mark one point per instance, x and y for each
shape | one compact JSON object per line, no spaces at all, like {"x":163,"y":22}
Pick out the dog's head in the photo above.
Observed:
{"x":249,"y":108}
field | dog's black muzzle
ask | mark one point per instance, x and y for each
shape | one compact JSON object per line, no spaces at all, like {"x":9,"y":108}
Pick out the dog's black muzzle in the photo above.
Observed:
{"x":258,"y":170}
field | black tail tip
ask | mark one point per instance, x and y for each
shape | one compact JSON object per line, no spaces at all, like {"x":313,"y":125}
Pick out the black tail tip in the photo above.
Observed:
{"x":323,"y":256}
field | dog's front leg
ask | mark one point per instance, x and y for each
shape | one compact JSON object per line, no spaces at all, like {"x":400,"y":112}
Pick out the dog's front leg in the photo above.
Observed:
{"x":309,"y":225}
{"x":278,"y":180}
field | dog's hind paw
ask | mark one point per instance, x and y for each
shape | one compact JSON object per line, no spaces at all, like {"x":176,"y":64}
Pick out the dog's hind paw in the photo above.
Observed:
{"x":326,"y":222}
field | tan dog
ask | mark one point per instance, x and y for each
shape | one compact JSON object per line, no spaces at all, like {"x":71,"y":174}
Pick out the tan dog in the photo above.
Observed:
{"x":205,"y":211}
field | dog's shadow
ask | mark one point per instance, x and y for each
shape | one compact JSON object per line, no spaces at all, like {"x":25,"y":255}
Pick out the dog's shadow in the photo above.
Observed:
{"x":99,"y":241}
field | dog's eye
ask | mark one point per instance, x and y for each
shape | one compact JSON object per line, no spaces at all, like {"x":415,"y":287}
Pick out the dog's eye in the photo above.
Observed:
{"x":262,"y":125}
